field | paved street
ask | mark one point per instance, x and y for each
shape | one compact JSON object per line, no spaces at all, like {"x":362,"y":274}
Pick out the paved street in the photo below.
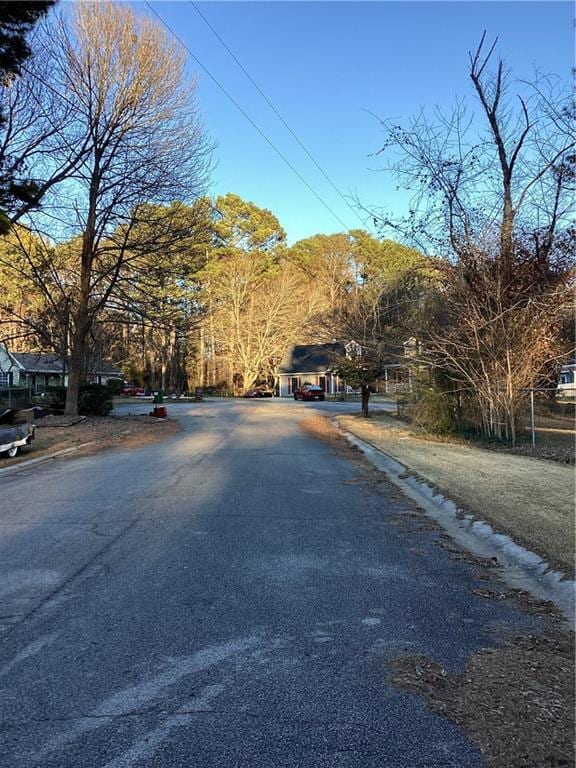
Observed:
{"x":230,"y":598}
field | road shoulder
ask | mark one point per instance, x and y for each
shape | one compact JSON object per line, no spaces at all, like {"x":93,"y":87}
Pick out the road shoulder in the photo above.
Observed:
{"x":530,"y":500}
{"x":89,"y":436}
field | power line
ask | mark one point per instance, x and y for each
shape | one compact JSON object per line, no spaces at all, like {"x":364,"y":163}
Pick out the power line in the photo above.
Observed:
{"x":277,"y":113}
{"x":247,"y":116}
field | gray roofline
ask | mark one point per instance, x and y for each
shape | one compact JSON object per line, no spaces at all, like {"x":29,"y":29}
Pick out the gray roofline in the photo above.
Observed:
{"x":304,"y":373}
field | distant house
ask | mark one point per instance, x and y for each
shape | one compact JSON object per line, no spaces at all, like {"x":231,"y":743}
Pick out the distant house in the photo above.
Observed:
{"x":567,"y":382}
{"x":315,"y":363}
{"x":310,"y":364}
{"x":38,"y":370}
{"x":6,"y":365}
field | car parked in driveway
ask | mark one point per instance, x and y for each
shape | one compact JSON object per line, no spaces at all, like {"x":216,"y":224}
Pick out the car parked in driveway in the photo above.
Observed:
{"x":258,"y":392}
{"x":133,"y":390}
{"x":309,"y":392}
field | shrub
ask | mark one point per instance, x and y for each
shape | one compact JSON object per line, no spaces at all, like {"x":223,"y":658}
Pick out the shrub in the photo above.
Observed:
{"x":95,"y":400}
{"x":434,"y":411}
{"x":56,"y":398}
{"x":115,"y":386}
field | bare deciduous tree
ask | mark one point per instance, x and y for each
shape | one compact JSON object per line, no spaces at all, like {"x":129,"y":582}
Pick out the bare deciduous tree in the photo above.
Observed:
{"x":131,"y":136}
{"x":496,"y":201}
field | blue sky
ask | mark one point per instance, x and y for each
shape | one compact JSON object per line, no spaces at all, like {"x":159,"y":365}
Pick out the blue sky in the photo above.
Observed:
{"x":327,"y":66}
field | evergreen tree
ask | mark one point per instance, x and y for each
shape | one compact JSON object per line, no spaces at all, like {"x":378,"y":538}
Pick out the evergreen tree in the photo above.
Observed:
{"x":16,"y":21}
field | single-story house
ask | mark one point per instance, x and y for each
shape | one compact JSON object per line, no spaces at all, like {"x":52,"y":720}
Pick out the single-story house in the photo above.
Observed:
{"x":309,"y":364}
{"x":314,"y":363}
{"x":38,"y":370}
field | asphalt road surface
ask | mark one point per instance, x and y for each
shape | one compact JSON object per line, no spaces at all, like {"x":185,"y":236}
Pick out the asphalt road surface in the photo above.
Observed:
{"x":229,"y":598}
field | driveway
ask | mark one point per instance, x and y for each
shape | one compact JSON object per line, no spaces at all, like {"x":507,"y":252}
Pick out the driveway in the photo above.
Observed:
{"x":230,"y":598}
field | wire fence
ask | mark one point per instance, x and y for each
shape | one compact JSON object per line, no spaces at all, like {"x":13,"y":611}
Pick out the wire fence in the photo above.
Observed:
{"x":550,"y":418}
{"x":545,"y":425}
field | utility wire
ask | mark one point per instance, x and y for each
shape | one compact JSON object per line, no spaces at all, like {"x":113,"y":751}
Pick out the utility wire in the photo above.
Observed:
{"x":278,"y":115}
{"x":247,"y":116}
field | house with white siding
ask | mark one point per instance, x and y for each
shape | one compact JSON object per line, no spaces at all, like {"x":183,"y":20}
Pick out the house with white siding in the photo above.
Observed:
{"x":310,"y":364}
{"x":567,"y":382}
{"x":315,"y":363}
{"x":38,"y":370}
{"x":7,"y":366}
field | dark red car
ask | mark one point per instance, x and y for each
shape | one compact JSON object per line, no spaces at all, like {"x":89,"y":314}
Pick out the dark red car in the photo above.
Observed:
{"x":258,"y":392}
{"x":309,"y":392}
{"x":132,"y":390}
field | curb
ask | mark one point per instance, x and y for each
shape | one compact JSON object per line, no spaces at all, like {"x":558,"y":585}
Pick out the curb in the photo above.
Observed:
{"x":41,"y":459}
{"x":519,"y":567}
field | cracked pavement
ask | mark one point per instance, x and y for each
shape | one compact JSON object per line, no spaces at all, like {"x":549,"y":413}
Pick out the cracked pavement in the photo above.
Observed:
{"x":230,"y":598}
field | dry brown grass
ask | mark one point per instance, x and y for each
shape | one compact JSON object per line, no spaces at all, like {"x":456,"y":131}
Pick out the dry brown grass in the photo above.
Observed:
{"x":529,"y":499}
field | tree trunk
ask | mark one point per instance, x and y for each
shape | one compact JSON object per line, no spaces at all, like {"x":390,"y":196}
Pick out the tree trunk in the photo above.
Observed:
{"x":365,"y":399}
{"x":201,"y":356}
{"x":163,"y":371}
{"x":151,"y":358}
{"x":77,"y":363}
{"x":82,"y":321}
{"x":249,"y":378}
{"x":72,"y":392}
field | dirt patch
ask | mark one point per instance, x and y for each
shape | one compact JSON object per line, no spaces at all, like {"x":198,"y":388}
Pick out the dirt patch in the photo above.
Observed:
{"x":53,"y":420}
{"x":516,"y":702}
{"x":410,"y":522}
{"x":98,"y":432}
{"x":321,"y":428}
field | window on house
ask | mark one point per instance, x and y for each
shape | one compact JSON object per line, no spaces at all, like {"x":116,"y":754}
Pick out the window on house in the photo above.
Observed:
{"x":322,"y":382}
{"x":4,"y":379}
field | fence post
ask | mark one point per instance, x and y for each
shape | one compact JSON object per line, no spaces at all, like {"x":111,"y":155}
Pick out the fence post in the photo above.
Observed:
{"x":532,"y":419}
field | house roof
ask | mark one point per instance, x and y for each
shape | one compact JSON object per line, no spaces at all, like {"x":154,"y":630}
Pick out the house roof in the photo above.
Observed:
{"x":309,"y":358}
{"x":41,"y":362}
{"x":105,"y":369}
{"x":38,"y":362}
